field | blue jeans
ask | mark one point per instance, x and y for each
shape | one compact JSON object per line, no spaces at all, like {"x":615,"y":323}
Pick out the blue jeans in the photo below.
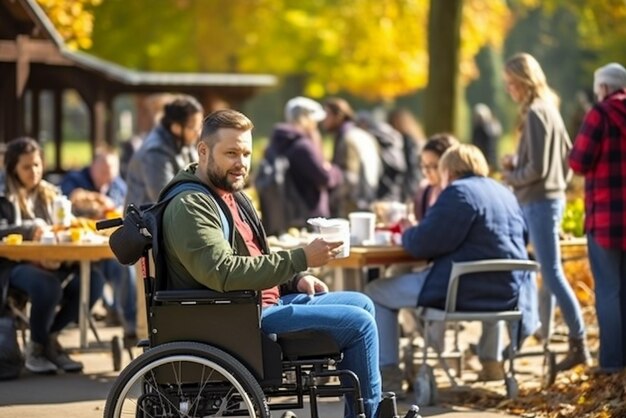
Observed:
{"x":391,"y":294}
{"x":48,"y":289}
{"x":123,"y":280}
{"x":348,"y":317}
{"x":609,"y":272}
{"x":544,"y":219}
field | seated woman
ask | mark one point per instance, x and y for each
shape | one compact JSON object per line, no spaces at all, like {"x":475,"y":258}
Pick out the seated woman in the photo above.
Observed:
{"x":474,"y":218}
{"x":25,"y":208}
{"x":430,"y":186}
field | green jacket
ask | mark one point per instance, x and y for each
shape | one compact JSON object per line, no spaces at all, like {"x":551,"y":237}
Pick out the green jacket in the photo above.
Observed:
{"x":198,"y":255}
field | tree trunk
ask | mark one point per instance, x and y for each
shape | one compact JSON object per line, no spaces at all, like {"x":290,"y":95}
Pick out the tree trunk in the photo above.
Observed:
{"x":444,"y":39}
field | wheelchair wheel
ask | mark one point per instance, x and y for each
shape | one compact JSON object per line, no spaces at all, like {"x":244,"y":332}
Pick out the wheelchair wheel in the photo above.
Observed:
{"x":185,"y":379}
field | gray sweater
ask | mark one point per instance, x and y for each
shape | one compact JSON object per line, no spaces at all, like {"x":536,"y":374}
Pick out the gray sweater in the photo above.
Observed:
{"x":154,"y":164}
{"x":541,"y":171}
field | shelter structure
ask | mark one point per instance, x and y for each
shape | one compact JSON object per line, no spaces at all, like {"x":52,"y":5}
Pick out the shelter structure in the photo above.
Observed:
{"x":34,"y":59}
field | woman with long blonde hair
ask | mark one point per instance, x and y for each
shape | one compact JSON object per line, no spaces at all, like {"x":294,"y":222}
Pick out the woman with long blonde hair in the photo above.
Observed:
{"x":539,"y":174}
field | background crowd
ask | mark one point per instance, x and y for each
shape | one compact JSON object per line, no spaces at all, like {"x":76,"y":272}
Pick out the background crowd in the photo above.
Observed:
{"x":447,"y":183}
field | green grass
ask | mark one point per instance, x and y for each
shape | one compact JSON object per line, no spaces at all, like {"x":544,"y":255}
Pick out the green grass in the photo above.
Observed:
{"x":75,"y":154}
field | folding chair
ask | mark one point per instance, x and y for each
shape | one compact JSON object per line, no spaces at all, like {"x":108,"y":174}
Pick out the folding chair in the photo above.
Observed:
{"x":424,"y":386}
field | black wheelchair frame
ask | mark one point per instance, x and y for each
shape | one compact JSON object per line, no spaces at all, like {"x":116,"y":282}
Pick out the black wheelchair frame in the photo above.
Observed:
{"x":196,"y":362}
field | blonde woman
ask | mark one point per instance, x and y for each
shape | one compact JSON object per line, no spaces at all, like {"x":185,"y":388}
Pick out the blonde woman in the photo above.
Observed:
{"x":481,"y":220}
{"x":539,"y":174}
{"x":52,"y":288}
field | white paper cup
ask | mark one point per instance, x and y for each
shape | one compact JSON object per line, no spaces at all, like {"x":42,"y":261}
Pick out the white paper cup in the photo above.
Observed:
{"x":335,"y":230}
{"x":48,"y":237}
{"x":362,"y":225}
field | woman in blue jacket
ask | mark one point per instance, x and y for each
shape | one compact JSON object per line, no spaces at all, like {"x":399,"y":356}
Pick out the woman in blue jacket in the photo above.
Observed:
{"x":474,"y":218}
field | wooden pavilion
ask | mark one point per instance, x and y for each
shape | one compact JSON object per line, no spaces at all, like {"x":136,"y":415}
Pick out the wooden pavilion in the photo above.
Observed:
{"x":34,"y":59}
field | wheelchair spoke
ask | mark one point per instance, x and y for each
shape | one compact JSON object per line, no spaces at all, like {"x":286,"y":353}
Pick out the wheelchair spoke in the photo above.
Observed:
{"x":196,"y":402}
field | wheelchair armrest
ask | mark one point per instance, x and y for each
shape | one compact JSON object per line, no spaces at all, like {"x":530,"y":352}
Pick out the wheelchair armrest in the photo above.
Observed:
{"x":205,"y":296}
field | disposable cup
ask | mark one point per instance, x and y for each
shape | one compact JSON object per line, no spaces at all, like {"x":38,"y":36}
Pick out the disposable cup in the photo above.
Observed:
{"x":334,"y":230}
{"x":76,"y":234}
{"x":48,"y":237}
{"x":362,"y":225}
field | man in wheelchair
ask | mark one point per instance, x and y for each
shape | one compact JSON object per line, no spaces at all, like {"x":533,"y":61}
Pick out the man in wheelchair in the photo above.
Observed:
{"x":215,"y":240}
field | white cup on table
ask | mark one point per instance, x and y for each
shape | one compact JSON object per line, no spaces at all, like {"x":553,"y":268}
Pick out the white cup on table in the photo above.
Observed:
{"x":362,"y":226}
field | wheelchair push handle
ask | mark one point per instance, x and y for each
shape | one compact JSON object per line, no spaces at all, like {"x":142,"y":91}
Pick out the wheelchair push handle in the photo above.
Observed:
{"x":109,"y":223}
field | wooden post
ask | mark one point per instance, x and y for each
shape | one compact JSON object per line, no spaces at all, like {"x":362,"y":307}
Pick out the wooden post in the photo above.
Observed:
{"x":35,"y":113}
{"x":22,"y":64}
{"x":57,"y":126}
{"x":100,"y":112}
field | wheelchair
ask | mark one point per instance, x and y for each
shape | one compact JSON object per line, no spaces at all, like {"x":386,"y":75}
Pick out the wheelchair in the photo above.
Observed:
{"x":206,"y":356}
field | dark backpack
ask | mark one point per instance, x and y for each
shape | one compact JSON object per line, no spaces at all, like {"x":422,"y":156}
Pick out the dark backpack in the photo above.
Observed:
{"x":413,"y":175}
{"x":394,"y":164}
{"x":141,"y":229}
{"x":282,"y":206}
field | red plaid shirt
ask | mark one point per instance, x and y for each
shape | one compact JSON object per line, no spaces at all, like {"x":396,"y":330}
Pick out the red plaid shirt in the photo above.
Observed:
{"x":599,"y":153}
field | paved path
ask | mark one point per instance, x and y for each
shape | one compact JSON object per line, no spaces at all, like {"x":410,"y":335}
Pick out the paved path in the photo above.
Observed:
{"x":84,"y":395}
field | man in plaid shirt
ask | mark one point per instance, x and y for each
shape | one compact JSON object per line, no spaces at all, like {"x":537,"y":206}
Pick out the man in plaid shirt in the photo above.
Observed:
{"x":599,"y":153}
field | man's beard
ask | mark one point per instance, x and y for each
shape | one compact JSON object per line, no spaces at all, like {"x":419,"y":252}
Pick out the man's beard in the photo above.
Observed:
{"x":219,"y":179}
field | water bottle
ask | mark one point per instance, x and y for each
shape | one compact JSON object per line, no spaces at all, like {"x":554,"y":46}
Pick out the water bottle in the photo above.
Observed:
{"x":62,"y":211}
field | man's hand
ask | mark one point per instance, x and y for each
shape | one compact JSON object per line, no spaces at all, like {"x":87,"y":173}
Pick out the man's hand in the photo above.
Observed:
{"x":311,"y":285}
{"x":320,"y":252}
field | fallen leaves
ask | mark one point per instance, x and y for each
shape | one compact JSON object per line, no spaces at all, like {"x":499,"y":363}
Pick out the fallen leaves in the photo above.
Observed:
{"x":577,"y":393}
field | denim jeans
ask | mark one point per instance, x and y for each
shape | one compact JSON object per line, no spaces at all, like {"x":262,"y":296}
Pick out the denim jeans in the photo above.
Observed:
{"x":48,"y":289}
{"x":543,"y":218}
{"x":348,"y":317}
{"x":609,"y":272}
{"x":391,"y":294}
{"x":123,"y":281}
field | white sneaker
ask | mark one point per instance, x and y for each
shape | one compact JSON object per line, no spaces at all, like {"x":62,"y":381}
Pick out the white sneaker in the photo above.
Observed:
{"x":36,"y":361}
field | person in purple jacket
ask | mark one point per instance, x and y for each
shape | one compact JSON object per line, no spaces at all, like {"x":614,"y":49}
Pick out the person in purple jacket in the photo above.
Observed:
{"x":474,"y":218}
{"x":299,"y":139}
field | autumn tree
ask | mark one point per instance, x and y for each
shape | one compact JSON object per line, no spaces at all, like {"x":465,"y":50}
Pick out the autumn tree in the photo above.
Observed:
{"x":73,"y":19}
{"x":600,"y":24}
{"x":375,"y":49}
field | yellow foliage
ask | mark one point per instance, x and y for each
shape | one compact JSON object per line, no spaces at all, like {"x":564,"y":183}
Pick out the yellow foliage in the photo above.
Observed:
{"x":485,"y":22}
{"x":73,"y":19}
{"x":600,"y":25}
{"x":375,"y":49}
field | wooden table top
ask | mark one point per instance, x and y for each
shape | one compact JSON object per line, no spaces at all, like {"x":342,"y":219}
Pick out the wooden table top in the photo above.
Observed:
{"x":362,"y":256}
{"x":34,"y":251}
